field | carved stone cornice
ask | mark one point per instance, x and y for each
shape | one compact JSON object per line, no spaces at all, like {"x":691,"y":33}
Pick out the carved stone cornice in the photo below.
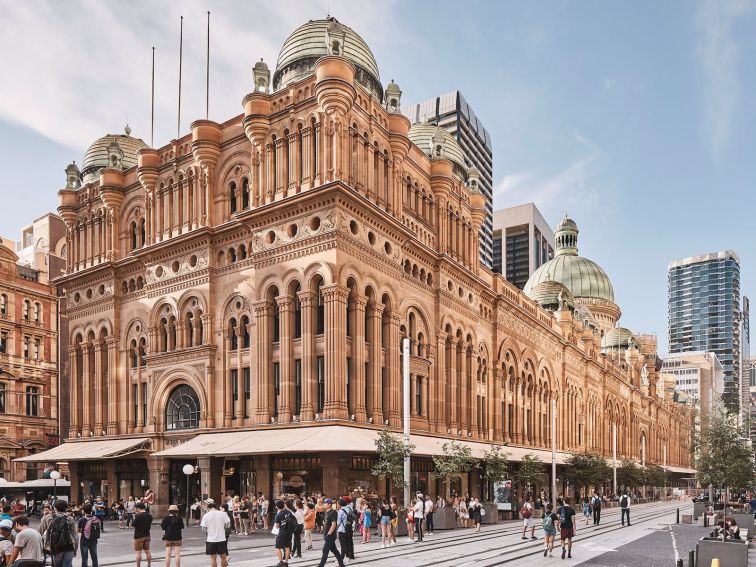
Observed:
{"x":181,"y":356}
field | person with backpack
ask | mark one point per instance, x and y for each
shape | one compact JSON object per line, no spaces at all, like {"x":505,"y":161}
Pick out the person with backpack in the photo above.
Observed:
{"x":527,"y":518}
{"x":89,"y":528}
{"x":549,"y":524}
{"x":330,"y":525}
{"x":172,"y":526}
{"x":345,"y":519}
{"x":6,"y":542}
{"x":625,"y":507}
{"x":59,"y":535}
{"x":283,"y":530}
{"x":567,"y":526}
{"x":596,"y":507}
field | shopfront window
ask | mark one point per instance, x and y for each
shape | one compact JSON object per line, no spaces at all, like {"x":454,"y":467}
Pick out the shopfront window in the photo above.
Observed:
{"x":297,"y":475}
{"x":183,"y":410}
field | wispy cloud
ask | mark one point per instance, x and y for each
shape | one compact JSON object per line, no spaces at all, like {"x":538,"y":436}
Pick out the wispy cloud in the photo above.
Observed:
{"x":76,"y":70}
{"x":557,"y":191}
{"x":719,"y":56}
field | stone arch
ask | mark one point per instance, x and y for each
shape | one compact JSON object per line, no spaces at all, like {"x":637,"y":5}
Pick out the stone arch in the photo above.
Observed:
{"x":166,"y":383}
{"x":315,"y":269}
{"x":183,"y":300}
{"x":226,"y":167}
{"x":158,"y":307}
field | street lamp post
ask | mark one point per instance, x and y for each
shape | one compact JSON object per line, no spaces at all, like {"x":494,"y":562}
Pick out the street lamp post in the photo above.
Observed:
{"x":406,"y":416}
{"x":55,"y":475}
{"x":188,"y":471}
{"x":553,"y":452}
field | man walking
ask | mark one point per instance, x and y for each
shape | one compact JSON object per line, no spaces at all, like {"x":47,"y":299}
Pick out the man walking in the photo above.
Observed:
{"x":342,"y":518}
{"x":596,"y":505}
{"x":215,"y":522}
{"x":27,"y":550}
{"x":429,"y":509}
{"x":89,"y":528}
{"x":527,"y":518}
{"x":283,"y":534}
{"x":567,"y":526}
{"x":59,"y":534}
{"x":142,"y":524}
{"x":329,"y":534}
{"x":625,"y":507}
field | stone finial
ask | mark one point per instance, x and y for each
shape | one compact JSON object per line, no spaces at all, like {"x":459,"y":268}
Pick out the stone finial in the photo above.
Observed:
{"x":261,"y":77}
{"x":115,"y":155}
{"x":473,"y":178}
{"x":393,"y":97}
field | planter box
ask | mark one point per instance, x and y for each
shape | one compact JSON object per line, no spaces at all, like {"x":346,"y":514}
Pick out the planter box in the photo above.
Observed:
{"x":445,"y":519}
{"x":698,"y":509}
{"x":687,"y":518}
{"x":492,"y":514}
{"x":401,"y":528}
{"x":745,"y":523}
{"x":710,"y":523}
{"x":729,"y":553}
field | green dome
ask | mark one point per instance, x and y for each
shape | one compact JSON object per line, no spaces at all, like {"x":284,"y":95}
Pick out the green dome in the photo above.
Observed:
{"x":112,"y":150}
{"x":317,"y":38}
{"x":435,"y":142}
{"x":584,"y":278}
{"x":547,"y":295}
{"x":618,"y":338}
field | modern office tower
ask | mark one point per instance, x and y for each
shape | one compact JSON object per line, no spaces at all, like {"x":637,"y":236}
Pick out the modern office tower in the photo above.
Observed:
{"x":745,"y":356}
{"x":522,"y":242}
{"x":452,"y":112}
{"x":699,"y":377}
{"x":751,"y":369}
{"x":704,"y":312}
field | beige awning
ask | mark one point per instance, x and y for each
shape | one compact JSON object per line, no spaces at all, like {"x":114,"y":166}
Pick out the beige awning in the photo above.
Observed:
{"x":681,"y":470}
{"x":323,"y":439}
{"x":89,"y":450}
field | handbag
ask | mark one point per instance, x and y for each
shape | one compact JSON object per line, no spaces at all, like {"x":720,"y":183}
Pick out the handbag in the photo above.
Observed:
{"x":274,"y":530}
{"x":482,"y":511}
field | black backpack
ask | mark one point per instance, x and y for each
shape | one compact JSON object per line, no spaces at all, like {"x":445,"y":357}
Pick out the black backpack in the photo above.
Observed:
{"x":291,"y":523}
{"x":623,"y":502}
{"x":60,"y":535}
{"x":351,"y":517}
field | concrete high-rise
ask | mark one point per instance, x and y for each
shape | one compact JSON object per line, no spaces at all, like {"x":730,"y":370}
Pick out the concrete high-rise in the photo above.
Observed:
{"x":699,"y":377}
{"x":704,"y":313}
{"x":522,"y":242}
{"x":452,"y":112}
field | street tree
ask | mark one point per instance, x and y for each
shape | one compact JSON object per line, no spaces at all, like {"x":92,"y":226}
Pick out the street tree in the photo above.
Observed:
{"x":530,"y":471}
{"x":628,"y":474}
{"x":391,"y":453}
{"x":495,"y":465}
{"x":457,"y":459}
{"x":652,"y":476}
{"x":586,"y":469}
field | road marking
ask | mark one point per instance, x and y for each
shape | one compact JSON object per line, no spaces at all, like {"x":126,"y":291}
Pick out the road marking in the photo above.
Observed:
{"x":674,"y":544}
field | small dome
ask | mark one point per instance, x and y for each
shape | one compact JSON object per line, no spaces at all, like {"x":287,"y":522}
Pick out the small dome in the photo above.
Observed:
{"x":112,"y":150}
{"x":550,"y":294}
{"x":435,"y":142}
{"x":317,"y":38}
{"x":583,"y":277}
{"x":618,"y":338}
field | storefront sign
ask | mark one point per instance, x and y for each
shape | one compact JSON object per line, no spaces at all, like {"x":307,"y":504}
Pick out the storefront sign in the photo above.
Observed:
{"x":503,"y":495}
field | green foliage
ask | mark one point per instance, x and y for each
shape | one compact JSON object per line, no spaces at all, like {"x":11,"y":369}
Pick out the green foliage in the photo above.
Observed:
{"x":652,"y":475}
{"x":496,"y":464}
{"x":724,"y":457}
{"x":457,"y":459}
{"x":585,"y":469}
{"x":628,"y":474}
{"x":530,"y":471}
{"x":391,"y":453}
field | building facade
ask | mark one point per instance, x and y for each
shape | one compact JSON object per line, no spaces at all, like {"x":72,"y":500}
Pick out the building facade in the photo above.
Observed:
{"x":704,"y":313}
{"x":453,"y":113}
{"x":698,"y":378}
{"x":522,"y":242}
{"x":745,"y":357}
{"x":29,"y":323}
{"x":237,"y":301}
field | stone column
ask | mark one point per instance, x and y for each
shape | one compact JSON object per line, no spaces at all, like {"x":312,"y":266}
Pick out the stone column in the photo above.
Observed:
{"x":394,"y":372}
{"x":453,"y":387}
{"x":113,"y":421}
{"x":261,"y":395}
{"x":375,"y":320}
{"x":286,"y":316}
{"x":497,"y":414}
{"x":294,"y":172}
{"x":335,"y":300}
{"x":86,"y":426}
{"x":74,"y":426}
{"x":228,"y":386}
{"x":309,"y":382}
{"x":306,"y":164}
{"x":438,"y":413}
{"x":358,"y":358}
{"x":413,"y":391}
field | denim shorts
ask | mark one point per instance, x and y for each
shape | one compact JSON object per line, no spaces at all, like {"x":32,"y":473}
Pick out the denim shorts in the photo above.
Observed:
{"x":385,"y":520}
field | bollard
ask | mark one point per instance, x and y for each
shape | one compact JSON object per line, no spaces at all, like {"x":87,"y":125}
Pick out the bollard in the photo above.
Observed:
{"x":691,"y":558}
{"x":679,"y":563}
{"x":715,"y":562}
{"x":678,"y":516}
{"x":706,"y":520}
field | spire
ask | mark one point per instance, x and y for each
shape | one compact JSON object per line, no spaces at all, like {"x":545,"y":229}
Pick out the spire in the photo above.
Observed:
{"x":565,"y":236}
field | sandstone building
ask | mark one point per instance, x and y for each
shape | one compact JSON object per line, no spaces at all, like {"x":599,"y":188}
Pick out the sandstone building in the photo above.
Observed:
{"x":236,"y":301}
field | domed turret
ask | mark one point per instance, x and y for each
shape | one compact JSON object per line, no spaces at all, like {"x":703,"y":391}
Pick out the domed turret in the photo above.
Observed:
{"x":617,"y":340}
{"x":436,"y":143}
{"x":317,"y":38}
{"x":393,"y":97}
{"x":552,"y":295}
{"x":261,"y":77}
{"x":112,"y":150}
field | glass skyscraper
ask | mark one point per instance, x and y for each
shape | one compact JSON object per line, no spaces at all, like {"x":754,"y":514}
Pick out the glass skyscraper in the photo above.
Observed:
{"x":451,"y":112}
{"x":704,"y":312}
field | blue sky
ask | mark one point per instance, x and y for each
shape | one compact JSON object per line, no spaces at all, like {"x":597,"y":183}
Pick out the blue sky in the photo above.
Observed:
{"x":636,"y":118}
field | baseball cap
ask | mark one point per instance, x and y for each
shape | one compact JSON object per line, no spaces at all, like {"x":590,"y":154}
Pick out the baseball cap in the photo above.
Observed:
{"x":6,"y":524}
{"x":210,"y":501}
{"x":327,"y":501}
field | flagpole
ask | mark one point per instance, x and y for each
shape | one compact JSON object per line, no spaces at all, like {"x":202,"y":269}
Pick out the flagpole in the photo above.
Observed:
{"x":181,"y":53}
{"x":152,"y":102}
{"x":207,"y":73}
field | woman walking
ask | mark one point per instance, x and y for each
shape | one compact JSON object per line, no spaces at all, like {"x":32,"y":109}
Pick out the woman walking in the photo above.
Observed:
{"x":475,"y":516}
{"x":309,"y":524}
{"x":172,"y":525}
{"x":236,"y":513}
{"x":299,"y":514}
{"x":464,"y":514}
{"x":549,"y":523}
{"x":587,"y":512}
{"x":367,"y":520}
{"x":394,"y":519}
{"x":385,"y":523}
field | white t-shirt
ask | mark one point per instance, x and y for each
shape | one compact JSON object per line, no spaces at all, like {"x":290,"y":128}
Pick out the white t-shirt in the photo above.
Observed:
{"x":428,"y":506}
{"x":419,"y":510}
{"x":299,"y":515}
{"x":215,"y":523}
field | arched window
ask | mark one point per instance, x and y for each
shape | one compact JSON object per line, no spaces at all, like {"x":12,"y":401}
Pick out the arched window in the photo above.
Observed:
{"x":245,"y":193}
{"x":320,"y":323}
{"x":2,"y":397}
{"x":189,"y":329}
{"x":143,"y":351}
{"x":134,"y":354}
{"x":27,"y":306}
{"x":37,"y":312}
{"x":233,"y":334}
{"x":133,"y":234}
{"x":3,"y":304}
{"x":232,"y":194}
{"x":164,"y":335}
{"x":142,"y":233}
{"x":183,"y":409}
{"x":244,"y":331}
